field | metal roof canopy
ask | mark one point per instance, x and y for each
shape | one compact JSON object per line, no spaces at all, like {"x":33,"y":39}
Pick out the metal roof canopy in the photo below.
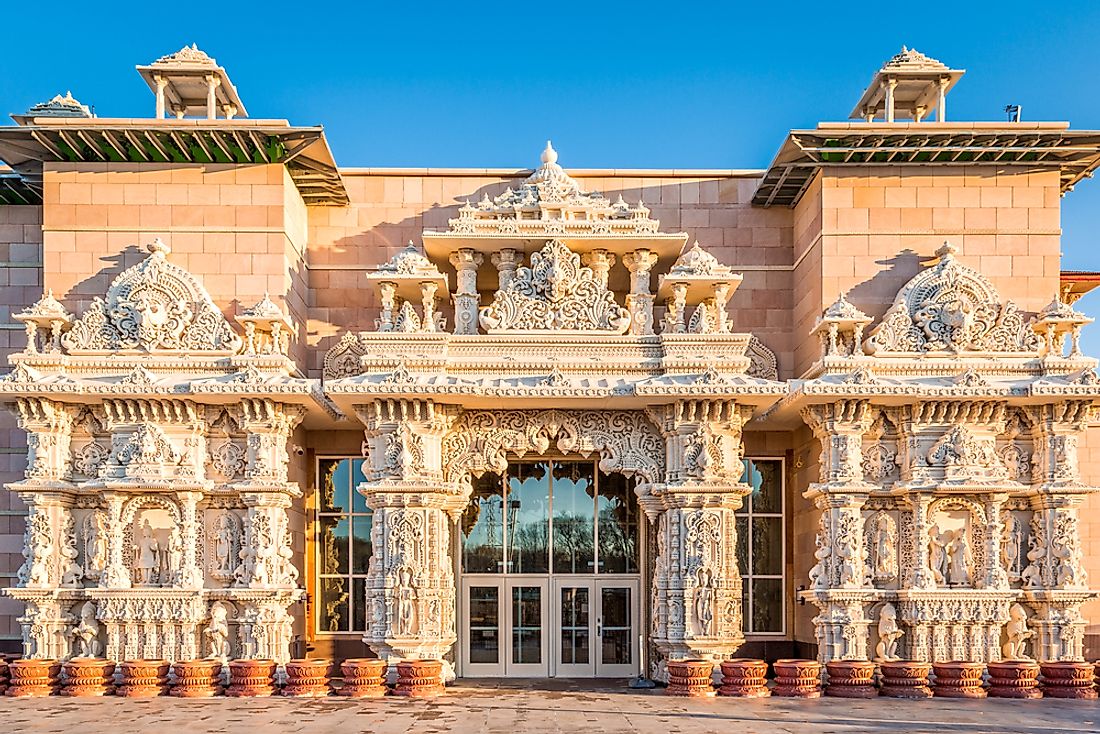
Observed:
{"x":1075,"y":153}
{"x":303,"y":150}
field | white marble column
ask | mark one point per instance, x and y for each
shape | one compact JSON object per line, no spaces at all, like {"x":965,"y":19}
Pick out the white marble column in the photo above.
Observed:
{"x":640,"y":299}
{"x":466,"y":262}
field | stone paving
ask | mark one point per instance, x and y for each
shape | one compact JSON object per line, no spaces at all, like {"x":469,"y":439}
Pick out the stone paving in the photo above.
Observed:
{"x":578,"y":707}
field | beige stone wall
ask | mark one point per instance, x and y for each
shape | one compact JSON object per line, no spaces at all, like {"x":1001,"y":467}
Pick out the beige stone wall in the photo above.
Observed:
{"x":20,"y":285}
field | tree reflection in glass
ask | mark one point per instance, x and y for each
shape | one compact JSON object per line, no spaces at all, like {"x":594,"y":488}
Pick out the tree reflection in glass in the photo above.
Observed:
{"x":527,"y":505}
{"x":483,"y":527}
{"x":618,"y":524}
{"x":574,"y":489}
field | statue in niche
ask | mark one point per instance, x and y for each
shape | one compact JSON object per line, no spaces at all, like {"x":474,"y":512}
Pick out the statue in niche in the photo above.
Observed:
{"x":85,"y":635}
{"x":1018,"y":634}
{"x":217,"y":632}
{"x":1032,"y":575}
{"x":406,"y":602}
{"x":148,"y":556}
{"x":95,"y":545}
{"x":937,"y":552}
{"x":818,"y":578}
{"x":224,"y":537}
{"x":377,"y":614}
{"x":883,"y":538}
{"x":704,"y":599}
{"x":888,"y":633}
{"x":1013,"y":544}
{"x":71,"y":572}
{"x":175,"y":555}
{"x":961,"y":559}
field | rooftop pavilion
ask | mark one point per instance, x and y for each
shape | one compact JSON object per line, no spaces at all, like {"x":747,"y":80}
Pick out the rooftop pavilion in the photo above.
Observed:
{"x":190,"y":83}
{"x":908,"y":87}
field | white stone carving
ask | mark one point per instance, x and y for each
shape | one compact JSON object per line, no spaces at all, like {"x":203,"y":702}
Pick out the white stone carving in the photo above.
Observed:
{"x":882,"y":538}
{"x":555,"y":293}
{"x":889,"y":634}
{"x":217,"y":632}
{"x":85,"y":635}
{"x":154,"y":306}
{"x":951,"y":308}
{"x":1017,"y":634}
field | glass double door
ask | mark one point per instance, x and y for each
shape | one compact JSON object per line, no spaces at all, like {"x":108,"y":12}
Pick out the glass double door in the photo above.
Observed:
{"x":550,"y":626}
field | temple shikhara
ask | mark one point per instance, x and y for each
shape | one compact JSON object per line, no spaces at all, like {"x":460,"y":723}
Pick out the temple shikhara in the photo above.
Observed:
{"x":550,"y":422}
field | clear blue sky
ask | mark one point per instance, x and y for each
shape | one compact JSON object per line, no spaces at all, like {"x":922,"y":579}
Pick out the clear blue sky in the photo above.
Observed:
{"x":675,"y":84}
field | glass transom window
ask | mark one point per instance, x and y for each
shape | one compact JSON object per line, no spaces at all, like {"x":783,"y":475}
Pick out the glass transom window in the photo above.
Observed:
{"x":551,"y":516}
{"x":343,"y":546}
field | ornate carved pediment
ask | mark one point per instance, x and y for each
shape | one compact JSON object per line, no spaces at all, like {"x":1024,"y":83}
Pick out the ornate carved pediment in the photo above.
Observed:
{"x":952,"y":308}
{"x":480,"y":441}
{"x":155,"y":306}
{"x":555,"y":293}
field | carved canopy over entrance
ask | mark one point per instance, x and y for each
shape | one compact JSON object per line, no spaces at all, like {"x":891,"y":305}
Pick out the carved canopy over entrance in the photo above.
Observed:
{"x":481,"y":440}
{"x":952,"y":308}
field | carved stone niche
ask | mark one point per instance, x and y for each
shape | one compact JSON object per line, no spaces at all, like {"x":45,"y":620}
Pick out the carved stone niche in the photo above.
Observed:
{"x":880,"y":452}
{"x":153,"y":542}
{"x":1016,"y":447}
{"x":957,"y":543}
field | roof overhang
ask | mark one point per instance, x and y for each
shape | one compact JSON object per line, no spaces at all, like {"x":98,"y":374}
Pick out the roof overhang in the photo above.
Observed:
{"x":1077,"y":283}
{"x":1047,"y":146}
{"x":303,"y":150}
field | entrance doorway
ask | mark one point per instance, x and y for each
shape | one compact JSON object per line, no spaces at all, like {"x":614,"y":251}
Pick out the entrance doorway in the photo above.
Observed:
{"x":550,"y":573}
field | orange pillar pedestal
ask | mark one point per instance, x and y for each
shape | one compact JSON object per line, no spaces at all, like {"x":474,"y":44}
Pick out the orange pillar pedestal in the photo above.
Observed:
{"x":419,"y":678}
{"x":251,"y":678}
{"x":958,"y":679}
{"x":143,"y":678}
{"x":797,"y":678}
{"x":197,"y":678}
{"x":307,"y":678}
{"x":1014,"y":679}
{"x":905,"y":679}
{"x":1068,"y":680}
{"x":363,"y":678}
{"x":88,"y":677}
{"x":690,"y":678}
{"x":744,"y":678}
{"x":851,"y":679}
{"x":34,"y":677}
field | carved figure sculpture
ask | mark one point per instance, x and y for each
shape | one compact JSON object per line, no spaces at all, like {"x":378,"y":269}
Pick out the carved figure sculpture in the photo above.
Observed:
{"x":223,"y":543}
{"x":704,"y":600}
{"x":406,"y":602}
{"x":1018,"y":634}
{"x":937,"y":551}
{"x":961,"y":559}
{"x":217,"y":632}
{"x":1013,"y":544}
{"x":175,"y":555}
{"x":71,"y":572}
{"x":884,"y":565}
{"x":148,"y":556}
{"x":1032,"y":575}
{"x":86,"y":634}
{"x":888,"y":633}
{"x":95,"y":546}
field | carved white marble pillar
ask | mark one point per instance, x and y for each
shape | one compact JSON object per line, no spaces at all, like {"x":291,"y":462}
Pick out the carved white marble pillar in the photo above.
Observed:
{"x":430,"y":321}
{"x":506,"y":262}
{"x":841,"y":582}
{"x":410,"y":585}
{"x":696,"y":593}
{"x":162,"y":84}
{"x":640,"y":300}
{"x":116,"y":573}
{"x":994,"y":575}
{"x":674,"y":316}
{"x":49,"y":429}
{"x":600,"y":261}
{"x":388,"y":293}
{"x":466,"y":299}
{"x":212,"y":84}
{"x":191,"y":574}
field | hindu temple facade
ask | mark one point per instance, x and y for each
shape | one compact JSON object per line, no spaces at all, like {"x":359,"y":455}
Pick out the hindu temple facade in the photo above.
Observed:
{"x":553,"y":423}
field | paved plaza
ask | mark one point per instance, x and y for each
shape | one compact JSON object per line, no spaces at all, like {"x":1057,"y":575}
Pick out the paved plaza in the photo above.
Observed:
{"x":580,"y":707}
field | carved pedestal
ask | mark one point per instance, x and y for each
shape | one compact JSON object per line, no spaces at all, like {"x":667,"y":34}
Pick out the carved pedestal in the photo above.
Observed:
{"x":797,"y":678}
{"x":88,"y":677}
{"x":5,"y":676}
{"x":851,"y":679}
{"x":690,"y":678}
{"x":1014,"y":679}
{"x":363,"y":678}
{"x":251,"y":678}
{"x":958,"y":679}
{"x":1068,"y":680}
{"x":144,"y":678}
{"x":744,"y":678}
{"x":905,"y":679}
{"x":197,"y":678}
{"x":307,"y":678}
{"x":419,"y":678}
{"x":34,"y":678}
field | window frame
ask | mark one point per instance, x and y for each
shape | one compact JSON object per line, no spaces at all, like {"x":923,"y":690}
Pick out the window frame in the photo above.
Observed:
{"x":747,"y":512}
{"x":352,"y":575}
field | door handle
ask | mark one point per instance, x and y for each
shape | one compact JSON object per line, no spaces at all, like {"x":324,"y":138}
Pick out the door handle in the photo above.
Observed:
{"x":599,"y":627}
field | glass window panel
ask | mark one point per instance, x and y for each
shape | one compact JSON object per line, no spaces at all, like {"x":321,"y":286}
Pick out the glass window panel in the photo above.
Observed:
{"x":526,"y":624}
{"x":358,"y":501}
{"x":574,"y":625}
{"x":359,"y":605}
{"x":767,"y":546}
{"x":333,"y":613}
{"x":360,"y":543}
{"x":333,"y":482}
{"x":616,"y":648}
{"x":574,"y":492}
{"x":743,"y":545}
{"x":747,"y":478}
{"x":484,"y":624}
{"x":766,"y":477}
{"x":618,"y":525}
{"x":527,"y":521}
{"x":746,"y":612}
{"x":767,"y":605}
{"x":334,"y":545}
{"x":483,"y":527}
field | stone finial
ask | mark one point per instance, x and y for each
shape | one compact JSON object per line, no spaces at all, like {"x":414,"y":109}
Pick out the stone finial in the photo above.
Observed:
{"x":159,"y":247}
{"x":549,"y":155}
